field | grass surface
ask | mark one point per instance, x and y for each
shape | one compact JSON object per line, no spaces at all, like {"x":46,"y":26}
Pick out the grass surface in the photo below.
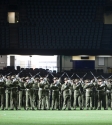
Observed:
{"x":77,"y":117}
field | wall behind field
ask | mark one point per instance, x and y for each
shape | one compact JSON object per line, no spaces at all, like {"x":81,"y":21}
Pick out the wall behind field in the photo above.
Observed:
{"x":107,"y":63}
{"x":66,"y":63}
{"x":3,"y":61}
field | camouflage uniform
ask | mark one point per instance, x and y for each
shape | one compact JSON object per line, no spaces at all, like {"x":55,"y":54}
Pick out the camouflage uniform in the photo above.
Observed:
{"x":8,"y":91}
{"x":2,"y":92}
{"x":89,"y":93}
{"x":21,"y":93}
{"x":44,"y":94}
{"x":109,"y":93}
{"x":55,"y":87}
{"x":14,"y":93}
{"x":77,"y":93}
{"x":35,"y":92}
{"x":66,"y":89}
{"x":29,"y":93}
{"x":101,"y":88}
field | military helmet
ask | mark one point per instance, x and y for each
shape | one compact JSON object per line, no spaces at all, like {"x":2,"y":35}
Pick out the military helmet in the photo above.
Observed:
{"x":86,"y":80}
{"x":8,"y":76}
{"x":100,"y":80}
{"x":36,"y":78}
{"x":55,"y":78}
{"x":76,"y":80}
{"x":22,"y":77}
{"x":12,"y":77}
{"x":65,"y":79}
{"x":26,"y":77}
{"x":41,"y":78}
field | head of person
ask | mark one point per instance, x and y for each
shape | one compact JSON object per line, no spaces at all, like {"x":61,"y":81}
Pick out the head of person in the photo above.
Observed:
{"x":12,"y":77}
{"x":100,"y":81}
{"x":65,"y":80}
{"x":41,"y":78}
{"x":8,"y":77}
{"x":27,"y":78}
{"x":87,"y":81}
{"x":37,"y":79}
{"x":76,"y":80}
{"x":54,"y":79}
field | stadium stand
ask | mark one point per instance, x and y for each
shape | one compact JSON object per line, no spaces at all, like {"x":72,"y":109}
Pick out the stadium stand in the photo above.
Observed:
{"x":54,"y":26}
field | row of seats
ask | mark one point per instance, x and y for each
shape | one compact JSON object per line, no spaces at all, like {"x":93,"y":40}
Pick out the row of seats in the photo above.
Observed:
{"x":43,"y":72}
{"x":76,"y":2}
{"x":4,"y":37}
{"x":57,"y":24}
{"x":61,"y":24}
{"x":2,"y":2}
{"x":107,"y":37}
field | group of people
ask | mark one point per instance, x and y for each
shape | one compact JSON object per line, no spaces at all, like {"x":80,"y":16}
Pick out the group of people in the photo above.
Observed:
{"x":38,"y":93}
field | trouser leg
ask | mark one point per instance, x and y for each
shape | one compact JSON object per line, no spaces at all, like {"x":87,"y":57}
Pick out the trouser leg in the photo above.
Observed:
{"x":111,"y":101}
{"x":7,"y":98}
{"x":2,"y":100}
{"x":91,"y":102}
{"x":53,"y":101}
{"x":87,"y":102}
{"x":64,"y":102}
{"x":69,"y":102}
{"x":20,"y":99}
{"x":75,"y":101}
{"x":47,"y":102}
{"x":11,"y":100}
{"x":27,"y":98}
{"x":79,"y":102}
{"x":40,"y":99}
{"x":107,"y":101}
{"x":43,"y":102}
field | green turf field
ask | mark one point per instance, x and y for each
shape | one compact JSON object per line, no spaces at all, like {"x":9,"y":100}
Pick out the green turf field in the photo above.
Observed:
{"x":94,"y":117}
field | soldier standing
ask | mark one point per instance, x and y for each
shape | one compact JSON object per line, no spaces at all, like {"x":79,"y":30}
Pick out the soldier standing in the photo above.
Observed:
{"x":66,"y":89}
{"x":14,"y":93}
{"x":35,"y":92}
{"x":77,"y":93}
{"x":7,"y":91}
{"x":109,"y":93}
{"x":41,"y":94}
{"x":83,"y":94}
{"x":29,"y":93}
{"x":101,"y":88}
{"x":55,"y":87}
{"x":47,"y":93}
{"x":89,"y":93}
{"x":21,"y":92}
{"x":2,"y":91}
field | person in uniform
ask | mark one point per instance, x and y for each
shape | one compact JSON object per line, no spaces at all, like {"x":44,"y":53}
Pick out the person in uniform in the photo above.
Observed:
{"x":89,"y":93}
{"x":55,"y":88}
{"x":14,"y":93}
{"x":8,"y":81}
{"x":47,"y":93}
{"x":66,"y":91}
{"x":109,"y":94}
{"x":29,"y":93}
{"x":83,"y":93}
{"x":21,"y":93}
{"x":77,"y":93}
{"x":41,"y":94}
{"x":2,"y":92}
{"x":101,"y":88}
{"x":35,"y":92}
